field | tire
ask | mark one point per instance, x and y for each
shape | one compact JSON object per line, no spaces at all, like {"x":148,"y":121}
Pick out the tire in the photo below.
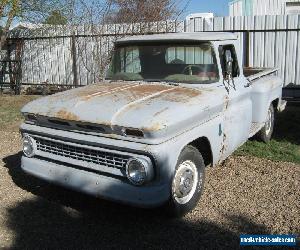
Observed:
{"x":265,"y":134}
{"x":187,"y":183}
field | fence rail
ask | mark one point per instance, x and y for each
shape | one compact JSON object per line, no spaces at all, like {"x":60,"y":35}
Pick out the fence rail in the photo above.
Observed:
{"x":67,"y":56}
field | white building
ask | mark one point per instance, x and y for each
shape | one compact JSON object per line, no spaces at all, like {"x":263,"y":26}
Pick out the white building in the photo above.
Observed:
{"x":263,"y":7}
{"x":199,"y":15}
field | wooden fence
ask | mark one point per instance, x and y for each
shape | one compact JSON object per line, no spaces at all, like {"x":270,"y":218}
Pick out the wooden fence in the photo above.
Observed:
{"x":65,"y":56}
{"x":72,"y":56}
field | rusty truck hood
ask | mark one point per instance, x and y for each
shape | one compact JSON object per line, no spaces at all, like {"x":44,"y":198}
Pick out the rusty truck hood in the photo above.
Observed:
{"x":153,"y":108}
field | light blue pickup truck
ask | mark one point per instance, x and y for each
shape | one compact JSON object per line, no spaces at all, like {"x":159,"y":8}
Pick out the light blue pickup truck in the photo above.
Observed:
{"x":171,"y":105}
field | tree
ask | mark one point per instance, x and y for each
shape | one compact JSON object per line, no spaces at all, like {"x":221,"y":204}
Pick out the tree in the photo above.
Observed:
{"x":28,"y":10}
{"x":8,"y":10}
{"x":56,"y":18}
{"x":134,"y":16}
{"x":136,"y":11}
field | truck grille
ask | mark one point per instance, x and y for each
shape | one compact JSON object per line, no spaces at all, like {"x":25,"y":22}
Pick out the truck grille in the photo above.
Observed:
{"x":98,"y":157}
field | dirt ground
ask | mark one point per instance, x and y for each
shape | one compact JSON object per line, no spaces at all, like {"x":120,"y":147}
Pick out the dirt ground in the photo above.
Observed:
{"x":246,"y":195}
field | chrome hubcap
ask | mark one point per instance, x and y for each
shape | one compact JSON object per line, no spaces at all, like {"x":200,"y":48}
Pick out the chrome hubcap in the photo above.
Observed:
{"x":185,"y":182}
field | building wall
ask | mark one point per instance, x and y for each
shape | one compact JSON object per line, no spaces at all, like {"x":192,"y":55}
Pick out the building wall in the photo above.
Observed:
{"x":264,"y":41}
{"x":262,"y":7}
{"x":236,"y":8}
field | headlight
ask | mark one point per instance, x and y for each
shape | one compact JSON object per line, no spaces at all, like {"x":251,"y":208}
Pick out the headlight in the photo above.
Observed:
{"x":139,"y":171}
{"x":28,"y":146}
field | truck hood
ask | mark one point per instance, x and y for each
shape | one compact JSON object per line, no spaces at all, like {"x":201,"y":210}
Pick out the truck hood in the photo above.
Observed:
{"x":159,"y":110}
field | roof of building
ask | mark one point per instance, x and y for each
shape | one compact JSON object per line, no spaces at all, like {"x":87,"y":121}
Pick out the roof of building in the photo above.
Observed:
{"x":194,"y":36}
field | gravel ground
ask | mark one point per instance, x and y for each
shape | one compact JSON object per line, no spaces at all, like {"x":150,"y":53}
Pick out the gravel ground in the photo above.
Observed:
{"x":245,"y":195}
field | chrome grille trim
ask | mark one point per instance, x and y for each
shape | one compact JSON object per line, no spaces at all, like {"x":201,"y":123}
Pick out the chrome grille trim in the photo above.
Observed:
{"x":88,"y":155}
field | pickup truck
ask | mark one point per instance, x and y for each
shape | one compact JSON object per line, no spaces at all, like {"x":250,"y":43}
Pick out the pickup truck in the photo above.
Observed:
{"x":170,"y":106}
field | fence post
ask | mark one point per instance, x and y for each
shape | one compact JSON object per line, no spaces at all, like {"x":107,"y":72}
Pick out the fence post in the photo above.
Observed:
{"x":247,"y":49}
{"x":74,"y":57}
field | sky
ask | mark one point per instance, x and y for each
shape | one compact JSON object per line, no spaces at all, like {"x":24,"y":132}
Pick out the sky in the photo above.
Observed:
{"x":218,"y":7}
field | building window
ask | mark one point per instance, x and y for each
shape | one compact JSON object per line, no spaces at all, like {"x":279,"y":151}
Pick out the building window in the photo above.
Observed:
{"x":292,"y":8}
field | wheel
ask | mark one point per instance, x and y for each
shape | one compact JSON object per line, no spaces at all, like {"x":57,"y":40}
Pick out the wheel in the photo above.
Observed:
{"x":188,"y":182}
{"x":265,"y":134}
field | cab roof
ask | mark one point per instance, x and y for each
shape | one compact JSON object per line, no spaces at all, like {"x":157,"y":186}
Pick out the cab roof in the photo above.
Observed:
{"x":185,"y":36}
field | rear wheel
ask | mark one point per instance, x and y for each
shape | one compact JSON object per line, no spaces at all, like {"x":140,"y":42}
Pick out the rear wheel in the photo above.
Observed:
{"x":265,"y":134}
{"x":188,"y":182}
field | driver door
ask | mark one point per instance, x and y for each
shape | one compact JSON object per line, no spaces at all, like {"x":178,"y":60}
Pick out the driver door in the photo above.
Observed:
{"x":237,"y":105}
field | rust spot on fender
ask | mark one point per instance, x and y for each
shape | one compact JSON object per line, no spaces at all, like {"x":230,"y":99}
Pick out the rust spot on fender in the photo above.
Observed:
{"x":66,"y":115}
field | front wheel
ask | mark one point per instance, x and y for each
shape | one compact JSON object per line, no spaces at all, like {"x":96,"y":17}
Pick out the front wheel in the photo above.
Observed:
{"x":188,"y":182}
{"x":265,"y":134}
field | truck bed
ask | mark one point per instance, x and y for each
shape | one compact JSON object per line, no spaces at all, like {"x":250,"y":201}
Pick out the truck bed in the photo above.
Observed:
{"x":253,"y":74}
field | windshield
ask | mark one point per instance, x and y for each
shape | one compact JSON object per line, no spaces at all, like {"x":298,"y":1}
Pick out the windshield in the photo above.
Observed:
{"x":178,"y":63}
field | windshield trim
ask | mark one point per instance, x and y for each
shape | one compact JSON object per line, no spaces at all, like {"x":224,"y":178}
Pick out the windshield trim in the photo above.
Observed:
{"x":186,"y":43}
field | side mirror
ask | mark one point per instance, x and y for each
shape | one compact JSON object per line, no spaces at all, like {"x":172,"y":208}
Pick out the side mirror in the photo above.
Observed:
{"x":229,"y":63}
{"x":229,"y":68}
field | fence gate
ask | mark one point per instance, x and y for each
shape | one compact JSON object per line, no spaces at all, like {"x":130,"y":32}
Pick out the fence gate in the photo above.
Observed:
{"x":11,"y":66}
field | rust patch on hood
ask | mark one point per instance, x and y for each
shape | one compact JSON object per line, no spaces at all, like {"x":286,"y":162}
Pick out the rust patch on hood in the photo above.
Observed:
{"x":148,"y":89}
{"x":131,"y":92}
{"x":90,"y":91}
{"x":66,"y":115}
{"x":100,"y":90}
{"x":180,"y":94}
{"x":154,"y":127}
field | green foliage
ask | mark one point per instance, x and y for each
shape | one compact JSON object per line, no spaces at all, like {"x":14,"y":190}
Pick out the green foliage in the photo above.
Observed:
{"x":274,"y":150}
{"x":56,"y":18}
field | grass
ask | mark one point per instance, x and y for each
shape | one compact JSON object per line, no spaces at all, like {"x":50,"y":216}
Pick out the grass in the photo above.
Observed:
{"x":275,"y":150}
{"x":284,"y":147}
{"x":10,"y":116}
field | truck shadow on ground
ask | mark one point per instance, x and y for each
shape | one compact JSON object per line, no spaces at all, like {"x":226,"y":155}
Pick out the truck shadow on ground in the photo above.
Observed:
{"x":59,"y":218}
{"x":287,"y":125}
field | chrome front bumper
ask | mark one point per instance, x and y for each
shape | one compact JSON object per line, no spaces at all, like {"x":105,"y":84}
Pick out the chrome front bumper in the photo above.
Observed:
{"x":97,"y":185}
{"x":96,"y":179}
